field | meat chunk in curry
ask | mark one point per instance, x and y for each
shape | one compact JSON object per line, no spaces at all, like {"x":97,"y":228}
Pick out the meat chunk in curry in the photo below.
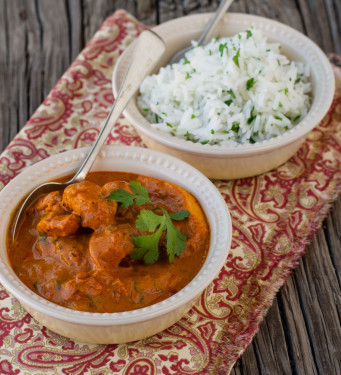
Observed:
{"x":86,"y":201}
{"x":76,"y":247}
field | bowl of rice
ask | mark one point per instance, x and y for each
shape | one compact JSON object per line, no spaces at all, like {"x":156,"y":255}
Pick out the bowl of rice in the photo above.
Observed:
{"x":238,"y":106}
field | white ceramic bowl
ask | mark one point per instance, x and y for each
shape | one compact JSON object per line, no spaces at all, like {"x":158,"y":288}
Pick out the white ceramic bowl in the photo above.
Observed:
{"x":131,"y":325}
{"x":242,"y":160}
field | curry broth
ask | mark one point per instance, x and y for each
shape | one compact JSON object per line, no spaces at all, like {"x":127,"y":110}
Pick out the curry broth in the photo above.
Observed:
{"x":84,"y":262}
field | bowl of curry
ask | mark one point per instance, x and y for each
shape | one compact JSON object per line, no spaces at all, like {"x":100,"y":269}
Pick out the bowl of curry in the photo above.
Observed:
{"x":119,"y":256}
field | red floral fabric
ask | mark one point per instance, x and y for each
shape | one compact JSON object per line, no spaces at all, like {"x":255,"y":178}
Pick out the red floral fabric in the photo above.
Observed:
{"x":274,"y":215}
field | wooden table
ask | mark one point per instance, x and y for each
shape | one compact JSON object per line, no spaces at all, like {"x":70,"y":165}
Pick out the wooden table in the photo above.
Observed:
{"x":40,"y":38}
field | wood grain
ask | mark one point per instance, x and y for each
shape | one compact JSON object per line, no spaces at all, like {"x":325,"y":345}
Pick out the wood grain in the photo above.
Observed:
{"x":40,"y":38}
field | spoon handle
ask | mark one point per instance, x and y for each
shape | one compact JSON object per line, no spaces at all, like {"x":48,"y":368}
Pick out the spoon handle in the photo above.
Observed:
{"x":147,"y":52}
{"x":206,"y":36}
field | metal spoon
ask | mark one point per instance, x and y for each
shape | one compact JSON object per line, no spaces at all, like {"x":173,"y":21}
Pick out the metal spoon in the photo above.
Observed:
{"x":206,"y":36}
{"x":150,"y":47}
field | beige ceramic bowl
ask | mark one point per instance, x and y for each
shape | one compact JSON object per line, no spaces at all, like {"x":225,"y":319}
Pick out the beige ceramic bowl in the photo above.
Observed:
{"x":242,"y":160}
{"x":130,"y":325}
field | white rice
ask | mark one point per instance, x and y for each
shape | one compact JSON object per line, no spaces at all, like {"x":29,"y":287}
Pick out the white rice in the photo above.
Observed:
{"x":232,"y":90}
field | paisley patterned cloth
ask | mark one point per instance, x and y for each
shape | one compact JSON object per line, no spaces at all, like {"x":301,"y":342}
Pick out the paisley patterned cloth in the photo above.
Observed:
{"x":274,"y":215}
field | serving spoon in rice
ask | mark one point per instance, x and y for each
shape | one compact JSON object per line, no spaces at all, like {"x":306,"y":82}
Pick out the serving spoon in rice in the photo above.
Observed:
{"x":147,"y":52}
{"x":207,"y":34}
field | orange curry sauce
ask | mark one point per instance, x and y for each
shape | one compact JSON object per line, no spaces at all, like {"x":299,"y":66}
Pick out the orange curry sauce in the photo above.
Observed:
{"x":74,"y":247}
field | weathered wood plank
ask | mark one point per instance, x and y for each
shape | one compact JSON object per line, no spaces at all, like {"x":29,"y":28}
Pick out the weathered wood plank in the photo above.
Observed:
{"x":35,"y":58}
{"x":74,"y":14}
{"x":4,"y":109}
{"x":15,"y":78}
{"x":56,"y":43}
{"x":315,"y":18}
{"x":319,"y":293}
{"x":275,"y":361}
{"x":297,"y":336}
{"x":332,"y":229}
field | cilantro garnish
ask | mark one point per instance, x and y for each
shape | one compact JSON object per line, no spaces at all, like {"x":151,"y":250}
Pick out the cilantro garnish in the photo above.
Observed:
{"x":188,"y":76}
{"x":147,"y":246}
{"x":250,"y":83}
{"x":250,"y":119}
{"x":228,"y":102}
{"x":236,"y":57}
{"x":248,"y":34}
{"x":231,"y":93}
{"x":222,"y":47}
{"x":157,"y":118}
{"x":235,"y":127}
{"x":127,"y":199}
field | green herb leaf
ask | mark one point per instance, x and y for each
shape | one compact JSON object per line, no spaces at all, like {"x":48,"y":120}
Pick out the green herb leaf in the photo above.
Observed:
{"x":250,"y":83}
{"x":188,"y":76}
{"x":127,"y":199}
{"x":180,"y":215}
{"x":147,"y":247}
{"x":236,"y":57}
{"x":231,"y":93}
{"x":228,"y":102}
{"x":204,"y":142}
{"x":248,"y":34}
{"x":250,"y":119}
{"x":222,"y":47}
{"x":175,"y":239}
{"x":235,"y":127}
{"x":193,"y":115}
{"x":148,"y":220}
{"x":186,"y":62}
